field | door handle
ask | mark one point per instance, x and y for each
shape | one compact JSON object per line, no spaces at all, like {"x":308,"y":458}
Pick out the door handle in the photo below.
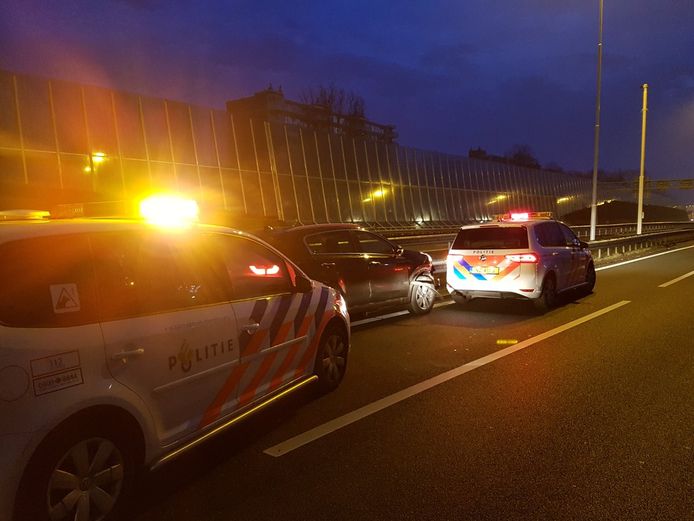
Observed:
{"x":374,"y":263}
{"x":555,"y":253}
{"x":124,"y":355}
{"x":328,"y":264}
{"x":251,"y":327}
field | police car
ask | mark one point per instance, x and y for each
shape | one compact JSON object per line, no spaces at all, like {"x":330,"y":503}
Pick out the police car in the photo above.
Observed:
{"x":521,"y":256}
{"x":124,"y":344}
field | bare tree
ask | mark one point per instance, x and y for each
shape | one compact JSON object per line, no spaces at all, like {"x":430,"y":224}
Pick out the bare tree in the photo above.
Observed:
{"x":522,"y":155}
{"x":334,"y":99}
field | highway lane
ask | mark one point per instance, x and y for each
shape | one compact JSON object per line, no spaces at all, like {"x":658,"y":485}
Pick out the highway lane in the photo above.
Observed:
{"x":592,"y":423}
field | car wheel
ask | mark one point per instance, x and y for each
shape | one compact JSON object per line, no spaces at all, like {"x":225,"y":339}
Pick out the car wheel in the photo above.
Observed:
{"x":422,"y":296}
{"x":548,"y":298}
{"x":331,"y":358}
{"x":590,"y":278}
{"x":82,"y":472}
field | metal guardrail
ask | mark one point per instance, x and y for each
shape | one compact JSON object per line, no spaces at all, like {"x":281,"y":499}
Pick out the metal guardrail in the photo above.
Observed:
{"x":601,"y":230}
{"x":621,"y":245}
{"x":601,"y":249}
{"x":622,"y":229}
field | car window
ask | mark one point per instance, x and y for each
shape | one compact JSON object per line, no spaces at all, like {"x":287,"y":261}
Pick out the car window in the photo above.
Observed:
{"x":492,"y":238}
{"x":253,"y":270}
{"x":142,"y":273}
{"x":549,"y":234}
{"x":47,"y":282}
{"x":330,"y":242}
{"x":370,"y":243}
{"x":569,"y":235}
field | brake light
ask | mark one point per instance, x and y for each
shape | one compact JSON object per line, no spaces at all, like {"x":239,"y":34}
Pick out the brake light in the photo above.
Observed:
{"x":522,"y":257}
{"x":265,"y":271}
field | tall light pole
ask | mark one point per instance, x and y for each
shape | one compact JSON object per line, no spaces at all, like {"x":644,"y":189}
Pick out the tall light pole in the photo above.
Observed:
{"x":596,"y":143}
{"x":644,"y":110}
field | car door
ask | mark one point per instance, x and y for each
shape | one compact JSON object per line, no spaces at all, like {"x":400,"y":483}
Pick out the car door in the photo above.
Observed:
{"x":275,"y":324}
{"x":168,"y":325}
{"x":388,"y":272}
{"x":556,"y":254}
{"x":335,"y":256}
{"x":579,"y":256}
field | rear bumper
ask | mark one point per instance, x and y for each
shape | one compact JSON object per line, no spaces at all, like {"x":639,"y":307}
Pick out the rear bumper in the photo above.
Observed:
{"x":500,"y":294}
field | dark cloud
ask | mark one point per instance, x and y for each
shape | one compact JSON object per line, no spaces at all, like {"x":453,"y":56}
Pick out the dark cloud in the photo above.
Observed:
{"x":451,"y":75}
{"x":142,"y":4}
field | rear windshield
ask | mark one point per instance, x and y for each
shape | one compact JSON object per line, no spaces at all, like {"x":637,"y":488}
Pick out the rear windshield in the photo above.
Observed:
{"x":492,"y":238}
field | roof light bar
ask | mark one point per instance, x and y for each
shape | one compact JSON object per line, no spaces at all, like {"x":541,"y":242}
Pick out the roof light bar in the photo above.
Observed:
{"x":169,"y":211}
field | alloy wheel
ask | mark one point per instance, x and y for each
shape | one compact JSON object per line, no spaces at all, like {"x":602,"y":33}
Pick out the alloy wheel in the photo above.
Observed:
{"x":424,"y":296}
{"x":334,"y":358}
{"x":87,"y":481}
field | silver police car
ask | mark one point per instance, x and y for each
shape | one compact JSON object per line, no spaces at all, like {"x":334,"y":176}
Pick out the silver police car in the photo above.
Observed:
{"x":521,"y":256}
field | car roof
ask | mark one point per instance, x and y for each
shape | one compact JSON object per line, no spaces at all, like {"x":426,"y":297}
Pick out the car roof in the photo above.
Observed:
{"x":14,"y":230}
{"x":508,"y":224}
{"x":306,"y":229}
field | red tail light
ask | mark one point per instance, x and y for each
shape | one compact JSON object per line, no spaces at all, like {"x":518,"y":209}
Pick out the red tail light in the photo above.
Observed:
{"x":522,"y":257}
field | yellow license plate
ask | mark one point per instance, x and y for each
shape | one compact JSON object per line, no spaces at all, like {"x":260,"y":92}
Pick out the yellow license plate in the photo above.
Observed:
{"x":486,"y":270}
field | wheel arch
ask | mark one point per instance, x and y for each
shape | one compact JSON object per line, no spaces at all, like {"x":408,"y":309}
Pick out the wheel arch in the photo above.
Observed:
{"x":111,"y":416}
{"x":338,"y":322}
{"x":548,"y":274}
{"x":422,"y":275}
{"x":121,"y":420}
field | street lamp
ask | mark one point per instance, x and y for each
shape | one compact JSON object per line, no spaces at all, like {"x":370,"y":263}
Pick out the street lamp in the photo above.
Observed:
{"x":644,"y":110}
{"x":596,"y":144}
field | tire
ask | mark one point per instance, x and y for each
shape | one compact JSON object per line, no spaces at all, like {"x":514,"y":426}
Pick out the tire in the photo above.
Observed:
{"x":81,"y":467}
{"x":331,"y":358}
{"x":459,"y":300}
{"x":422,"y":297}
{"x":548,"y":298}
{"x":590,"y":278}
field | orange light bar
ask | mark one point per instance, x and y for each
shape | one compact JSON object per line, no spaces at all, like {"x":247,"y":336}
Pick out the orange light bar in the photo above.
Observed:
{"x":520,"y":216}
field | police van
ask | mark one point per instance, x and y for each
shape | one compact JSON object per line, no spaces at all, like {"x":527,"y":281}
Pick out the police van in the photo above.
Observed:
{"x":520,"y":256}
{"x":125,"y":343}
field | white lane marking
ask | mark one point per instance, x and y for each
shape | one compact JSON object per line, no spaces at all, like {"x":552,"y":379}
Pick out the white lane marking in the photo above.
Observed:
{"x":323,"y":430}
{"x":643,"y":258}
{"x":395,"y":314}
{"x":670,"y":282}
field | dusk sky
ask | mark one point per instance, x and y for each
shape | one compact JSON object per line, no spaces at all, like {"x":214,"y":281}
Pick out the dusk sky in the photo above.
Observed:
{"x":450,"y":75}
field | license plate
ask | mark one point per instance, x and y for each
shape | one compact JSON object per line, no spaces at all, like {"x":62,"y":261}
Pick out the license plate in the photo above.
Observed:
{"x":486,"y":270}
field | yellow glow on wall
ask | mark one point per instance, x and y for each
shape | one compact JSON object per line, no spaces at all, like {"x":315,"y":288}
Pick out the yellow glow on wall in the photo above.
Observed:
{"x":498,"y":198}
{"x":376,"y":194}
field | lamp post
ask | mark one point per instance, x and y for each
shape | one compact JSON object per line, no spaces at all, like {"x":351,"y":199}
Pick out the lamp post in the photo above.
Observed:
{"x":644,"y":110}
{"x":596,"y":143}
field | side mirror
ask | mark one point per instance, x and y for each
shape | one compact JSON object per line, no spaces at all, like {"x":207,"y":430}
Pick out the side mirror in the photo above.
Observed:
{"x":399,"y":250}
{"x":583,"y":244}
{"x":302,"y":285}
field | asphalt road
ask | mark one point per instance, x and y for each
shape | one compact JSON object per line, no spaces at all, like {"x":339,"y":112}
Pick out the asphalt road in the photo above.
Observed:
{"x":585,"y":412}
